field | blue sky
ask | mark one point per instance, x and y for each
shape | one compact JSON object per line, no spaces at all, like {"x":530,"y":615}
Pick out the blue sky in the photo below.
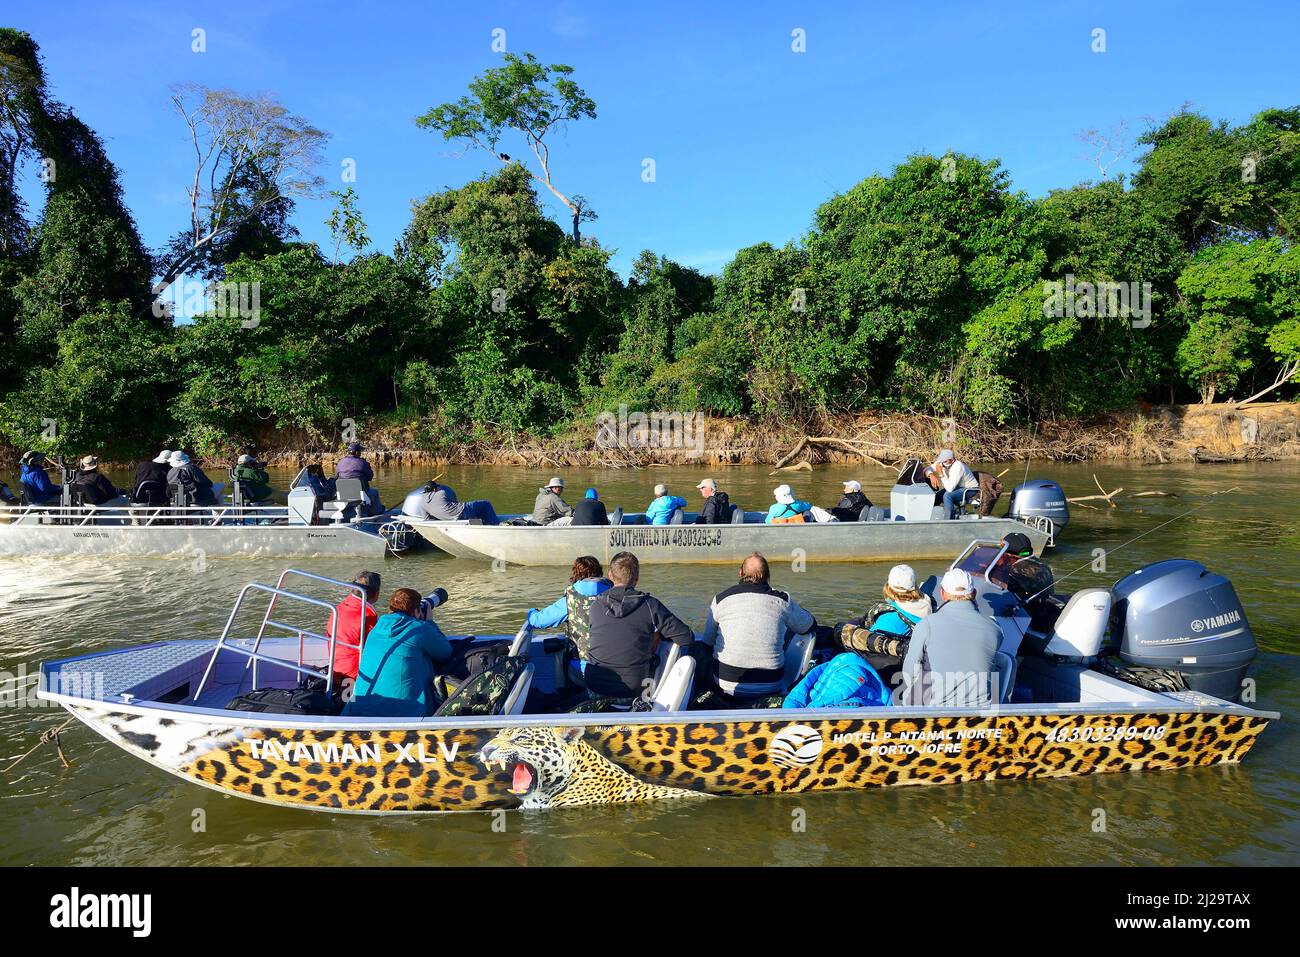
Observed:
{"x":748,"y":137}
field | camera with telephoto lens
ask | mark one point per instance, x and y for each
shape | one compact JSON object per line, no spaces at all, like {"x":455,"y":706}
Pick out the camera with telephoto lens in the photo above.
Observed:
{"x":431,"y":601}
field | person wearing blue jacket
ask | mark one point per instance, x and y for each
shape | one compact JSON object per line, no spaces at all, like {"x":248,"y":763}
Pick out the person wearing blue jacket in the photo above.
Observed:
{"x":660,"y":511}
{"x":36,"y":483}
{"x":399,"y":662}
{"x":786,"y":506}
{"x":846,"y":681}
{"x":573,"y":608}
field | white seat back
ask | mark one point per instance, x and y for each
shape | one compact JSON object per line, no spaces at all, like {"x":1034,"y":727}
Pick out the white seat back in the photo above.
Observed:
{"x":519,"y":693}
{"x":798,"y":658}
{"x":523,"y":639}
{"x":675,"y":690}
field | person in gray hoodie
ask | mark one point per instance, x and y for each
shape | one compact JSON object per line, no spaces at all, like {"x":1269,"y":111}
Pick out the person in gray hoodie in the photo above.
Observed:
{"x":626,"y":626}
{"x":949,"y":660}
{"x":549,"y":506}
{"x":440,"y":504}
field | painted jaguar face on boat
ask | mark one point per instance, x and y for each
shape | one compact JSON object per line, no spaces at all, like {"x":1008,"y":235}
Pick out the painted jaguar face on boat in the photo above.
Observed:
{"x":555,"y":767}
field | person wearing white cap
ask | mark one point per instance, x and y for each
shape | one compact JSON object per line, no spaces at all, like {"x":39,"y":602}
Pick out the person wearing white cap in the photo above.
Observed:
{"x":154,"y":471}
{"x":786,"y":508}
{"x":252,"y":477}
{"x":717,"y":506}
{"x":94,"y":487}
{"x":186,"y":475}
{"x":949,"y":660}
{"x":660,"y":511}
{"x":851,"y":503}
{"x":904,"y":605}
{"x":549,"y":507}
{"x":959,"y":483}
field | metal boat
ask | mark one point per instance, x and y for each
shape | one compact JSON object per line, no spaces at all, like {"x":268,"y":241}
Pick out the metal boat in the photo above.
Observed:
{"x":1167,"y":701}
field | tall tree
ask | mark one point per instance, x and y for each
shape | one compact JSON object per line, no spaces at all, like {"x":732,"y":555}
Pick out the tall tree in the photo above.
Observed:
{"x":252,"y":159}
{"x":528,"y":98}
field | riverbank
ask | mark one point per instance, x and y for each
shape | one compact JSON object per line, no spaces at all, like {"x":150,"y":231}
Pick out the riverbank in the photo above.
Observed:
{"x":1206,"y":433}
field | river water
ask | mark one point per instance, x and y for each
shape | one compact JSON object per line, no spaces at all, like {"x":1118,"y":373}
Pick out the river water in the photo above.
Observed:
{"x":111,"y":808}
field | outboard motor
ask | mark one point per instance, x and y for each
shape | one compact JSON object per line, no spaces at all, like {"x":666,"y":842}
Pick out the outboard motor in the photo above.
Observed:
{"x":1178,"y":616}
{"x":1040,"y":498}
{"x":413,"y":504}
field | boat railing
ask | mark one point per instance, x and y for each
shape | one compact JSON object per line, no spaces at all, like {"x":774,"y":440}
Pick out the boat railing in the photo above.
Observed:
{"x":144,"y":516}
{"x":254,"y":655}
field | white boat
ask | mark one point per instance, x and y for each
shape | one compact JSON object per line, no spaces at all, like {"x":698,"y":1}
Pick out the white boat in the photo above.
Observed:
{"x":308,"y":526}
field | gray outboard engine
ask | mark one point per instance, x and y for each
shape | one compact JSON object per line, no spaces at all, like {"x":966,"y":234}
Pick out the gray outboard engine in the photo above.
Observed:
{"x":413,"y":504}
{"x":1178,"y":616}
{"x":1040,"y":497}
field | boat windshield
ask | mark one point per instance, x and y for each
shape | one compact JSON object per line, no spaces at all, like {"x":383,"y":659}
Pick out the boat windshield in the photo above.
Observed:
{"x":992,"y":560}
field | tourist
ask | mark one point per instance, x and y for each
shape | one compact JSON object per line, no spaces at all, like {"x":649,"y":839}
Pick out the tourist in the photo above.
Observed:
{"x":959,"y":483}
{"x":399,"y":662}
{"x":441,"y":505}
{"x":345,"y":627}
{"x":153,"y":471}
{"x":187,"y":476}
{"x":851,"y":503}
{"x":549,"y":507}
{"x":786,"y":509}
{"x":590,"y":511}
{"x":353,"y":466}
{"x":315,"y":479}
{"x":949,"y":659}
{"x":660,"y":511}
{"x":717,"y":506}
{"x":94,"y":487}
{"x":573,"y":608}
{"x":252,"y":478}
{"x":846,"y":681}
{"x":626,"y":627}
{"x":748,"y":626}
{"x":35,"y":482}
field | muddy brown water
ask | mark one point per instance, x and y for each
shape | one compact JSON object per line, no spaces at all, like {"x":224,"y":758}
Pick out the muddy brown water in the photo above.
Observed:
{"x":112,"y":808}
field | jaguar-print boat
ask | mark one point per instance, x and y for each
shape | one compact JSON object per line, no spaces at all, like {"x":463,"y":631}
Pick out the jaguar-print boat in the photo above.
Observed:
{"x":497,"y":742}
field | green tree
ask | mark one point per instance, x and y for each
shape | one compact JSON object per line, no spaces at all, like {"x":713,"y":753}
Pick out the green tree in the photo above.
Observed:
{"x":528,"y":98}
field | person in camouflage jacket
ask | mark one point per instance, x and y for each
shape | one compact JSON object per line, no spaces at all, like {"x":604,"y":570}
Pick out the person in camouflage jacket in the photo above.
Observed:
{"x":573,"y":608}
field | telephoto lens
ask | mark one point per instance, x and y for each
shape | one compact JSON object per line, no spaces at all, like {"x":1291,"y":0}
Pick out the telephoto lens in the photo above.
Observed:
{"x":432,"y":600}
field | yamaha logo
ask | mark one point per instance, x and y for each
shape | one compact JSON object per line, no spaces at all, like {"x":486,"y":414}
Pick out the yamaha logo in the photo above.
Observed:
{"x":1198,"y":625}
{"x":795,"y":746}
{"x":1218,"y":621}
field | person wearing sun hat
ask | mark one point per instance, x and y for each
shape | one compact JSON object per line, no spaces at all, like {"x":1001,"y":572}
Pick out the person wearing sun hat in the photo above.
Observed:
{"x":549,"y":506}
{"x":186,"y":475}
{"x":949,"y":661}
{"x":153,"y":470}
{"x":35,"y":481}
{"x":95,"y":489}
{"x":786,"y":508}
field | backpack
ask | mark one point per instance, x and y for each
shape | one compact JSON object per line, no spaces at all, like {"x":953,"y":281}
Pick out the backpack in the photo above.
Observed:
{"x":284,"y":701}
{"x":486,"y":692}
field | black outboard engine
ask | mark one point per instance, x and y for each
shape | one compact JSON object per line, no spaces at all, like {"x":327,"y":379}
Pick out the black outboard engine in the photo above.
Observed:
{"x":1040,"y":497}
{"x":1178,"y":616}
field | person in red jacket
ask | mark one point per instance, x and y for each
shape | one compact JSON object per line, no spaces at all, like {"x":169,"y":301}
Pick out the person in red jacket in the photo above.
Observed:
{"x":348,"y":617}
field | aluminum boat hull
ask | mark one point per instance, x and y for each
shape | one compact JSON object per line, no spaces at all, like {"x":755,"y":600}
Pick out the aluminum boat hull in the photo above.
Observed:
{"x":189,"y":542}
{"x":663,"y":544}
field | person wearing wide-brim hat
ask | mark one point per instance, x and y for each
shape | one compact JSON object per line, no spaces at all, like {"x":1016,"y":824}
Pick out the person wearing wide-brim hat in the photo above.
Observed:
{"x":549,"y":507}
{"x":94,"y":487}
{"x":787,"y":508}
{"x":187,"y":475}
{"x":35,"y":481}
{"x":153,"y":470}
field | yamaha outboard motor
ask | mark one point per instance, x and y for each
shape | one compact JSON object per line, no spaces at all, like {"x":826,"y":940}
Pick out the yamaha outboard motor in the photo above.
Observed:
{"x":1178,"y":616}
{"x":1040,"y":497}
{"x":413,"y":504}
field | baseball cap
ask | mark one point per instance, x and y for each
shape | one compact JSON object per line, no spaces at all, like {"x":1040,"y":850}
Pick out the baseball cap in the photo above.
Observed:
{"x":902,"y":577}
{"x":708,"y":483}
{"x":957,"y":582}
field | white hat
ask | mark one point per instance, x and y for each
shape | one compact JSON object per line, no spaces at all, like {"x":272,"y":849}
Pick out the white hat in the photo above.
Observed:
{"x":245,"y":459}
{"x":784,"y":494}
{"x":708,"y":483}
{"x":555,"y":482}
{"x":957,"y":583}
{"x":853,"y":485}
{"x":163,"y":456}
{"x":902,"y":578}
{"x":946,"y":455}
{"x":661,"y":489}
{"x":89,"y":462}
{"x":179,"y":458}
